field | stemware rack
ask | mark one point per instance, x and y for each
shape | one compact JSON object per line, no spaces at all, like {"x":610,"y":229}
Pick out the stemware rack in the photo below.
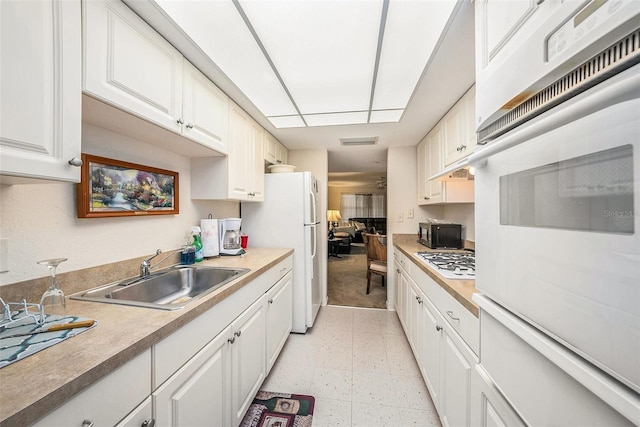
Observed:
{"x":23,"y":312}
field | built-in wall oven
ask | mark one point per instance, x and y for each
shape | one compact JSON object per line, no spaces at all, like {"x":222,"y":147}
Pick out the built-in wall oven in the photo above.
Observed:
{"x":558,"y":240}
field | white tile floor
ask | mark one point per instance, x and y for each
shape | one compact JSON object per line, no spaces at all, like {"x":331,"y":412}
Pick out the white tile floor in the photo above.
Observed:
{"x":359,"y":367}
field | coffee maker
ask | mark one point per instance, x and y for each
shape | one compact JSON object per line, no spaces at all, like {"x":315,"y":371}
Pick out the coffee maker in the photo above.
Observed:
{"x":230,"y":236}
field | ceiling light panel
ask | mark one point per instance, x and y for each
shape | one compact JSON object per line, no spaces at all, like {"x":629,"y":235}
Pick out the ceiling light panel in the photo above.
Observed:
{"x":323,"y":50}
{"x":219,"y":31}
{"x":351,"y":118}
{"x":287,"y":122}
{"x":412,"y":31}
{"x":386,"y":116}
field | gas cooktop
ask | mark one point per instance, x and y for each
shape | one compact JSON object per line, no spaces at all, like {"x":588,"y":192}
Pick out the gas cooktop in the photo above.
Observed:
{"x":451,"y":265}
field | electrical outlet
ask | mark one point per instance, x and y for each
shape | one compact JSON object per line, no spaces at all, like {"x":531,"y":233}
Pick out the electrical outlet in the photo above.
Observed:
{"x":4,"y":254}
{"x":410,"y":214}
{"x":399,"y":217}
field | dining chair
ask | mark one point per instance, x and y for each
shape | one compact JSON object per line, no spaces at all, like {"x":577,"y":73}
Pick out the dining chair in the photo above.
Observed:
{"x":376,"y":257}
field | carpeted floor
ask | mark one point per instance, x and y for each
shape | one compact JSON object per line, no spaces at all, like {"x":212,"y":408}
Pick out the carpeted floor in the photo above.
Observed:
{"x":347,"y":281}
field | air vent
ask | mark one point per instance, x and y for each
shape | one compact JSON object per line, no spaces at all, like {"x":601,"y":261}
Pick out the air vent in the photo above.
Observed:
{"x":618,"y":57}
{"x":371,"y":140}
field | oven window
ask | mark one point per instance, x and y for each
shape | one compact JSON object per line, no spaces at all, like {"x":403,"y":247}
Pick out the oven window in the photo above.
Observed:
{"x":590,"y":193}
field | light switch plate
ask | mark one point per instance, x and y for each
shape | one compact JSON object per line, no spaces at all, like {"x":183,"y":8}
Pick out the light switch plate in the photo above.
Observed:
{"x":410,"y":214}
{"x":4,"y":254}
{"x":399,"y":217}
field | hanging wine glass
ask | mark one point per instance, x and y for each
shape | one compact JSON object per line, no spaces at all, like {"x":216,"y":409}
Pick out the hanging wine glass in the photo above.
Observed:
{"x":52,"y":300}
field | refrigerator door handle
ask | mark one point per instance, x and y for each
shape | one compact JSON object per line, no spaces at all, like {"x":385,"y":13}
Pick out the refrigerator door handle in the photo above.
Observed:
{"x":314,"y":245}
{"x":313,"y":218}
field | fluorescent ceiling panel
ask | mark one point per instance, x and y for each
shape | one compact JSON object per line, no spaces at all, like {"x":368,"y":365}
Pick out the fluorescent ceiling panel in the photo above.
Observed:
{"x":218,"y":29}
{"x":287,"y":122}
{"x":411,"y":34}
{"x":386,"y":116}
{"x":352,"y":118}
{"x":324,"y":50}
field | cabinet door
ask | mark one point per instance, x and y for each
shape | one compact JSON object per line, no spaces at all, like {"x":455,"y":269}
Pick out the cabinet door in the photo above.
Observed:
{"x":435,"y":163}
{"x":455,"y":384}
{"x":205,"y":110}
{"x":453,"y":134}
{"x":279,"y":317}
{"x":129,"y":65}
{"x":197,"y":394}
{"x":248,"y":355}
{"x":414,"y":320}
{"x":270,"y":148}
{"x":240,"y":147}
{"x":255,"y":162}
{"x":430,"y":356}
{"x":283,"y":154}
{"x":143,"y":413}
{"x":40,"y":82}
{"x":421,"y":170}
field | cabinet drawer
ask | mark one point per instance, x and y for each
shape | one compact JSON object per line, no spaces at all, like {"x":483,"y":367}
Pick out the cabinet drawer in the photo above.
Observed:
{"x":401,"y":259}
{"x":109,"y":400}
{"x":462,"y":321}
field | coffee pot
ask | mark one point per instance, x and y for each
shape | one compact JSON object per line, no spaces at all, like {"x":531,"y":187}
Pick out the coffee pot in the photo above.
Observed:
{"x":230,"y":236}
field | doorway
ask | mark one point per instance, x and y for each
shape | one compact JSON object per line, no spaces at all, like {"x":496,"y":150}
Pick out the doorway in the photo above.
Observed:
{"x":360,"y":200}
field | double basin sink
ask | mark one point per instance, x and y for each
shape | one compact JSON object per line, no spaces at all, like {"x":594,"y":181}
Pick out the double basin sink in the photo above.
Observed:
{"x":168,"y":289}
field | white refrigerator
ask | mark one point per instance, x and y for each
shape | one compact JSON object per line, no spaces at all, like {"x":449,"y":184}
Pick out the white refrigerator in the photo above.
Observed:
{"x":289,"y":217}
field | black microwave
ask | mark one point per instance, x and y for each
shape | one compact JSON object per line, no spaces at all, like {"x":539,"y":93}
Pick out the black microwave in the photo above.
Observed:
{"x":440,"y":236}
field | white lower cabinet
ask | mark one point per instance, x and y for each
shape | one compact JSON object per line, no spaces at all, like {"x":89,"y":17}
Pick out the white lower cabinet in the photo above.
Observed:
{"x":197,"y":394}
{"x":110,"y":400}
{"x":208,"y":371}
{"x":279,"y":319}
{"x":248,"y":358}
{"x":445,"y":357}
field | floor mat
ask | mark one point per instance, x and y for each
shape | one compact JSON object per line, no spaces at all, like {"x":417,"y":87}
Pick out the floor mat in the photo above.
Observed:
{"x":270,"y":409}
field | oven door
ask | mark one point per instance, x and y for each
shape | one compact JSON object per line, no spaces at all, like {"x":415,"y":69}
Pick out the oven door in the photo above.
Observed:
{"x":558,"y":224}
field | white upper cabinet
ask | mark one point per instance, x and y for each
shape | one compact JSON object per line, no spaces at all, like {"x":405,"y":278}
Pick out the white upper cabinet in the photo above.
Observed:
{"x":274,"y":151}
{"x":40,"y":83}
{"x":129,"y":65}
{"x":205,"y":110}
{"x":460,"y":134}
{"x":239,"y":175}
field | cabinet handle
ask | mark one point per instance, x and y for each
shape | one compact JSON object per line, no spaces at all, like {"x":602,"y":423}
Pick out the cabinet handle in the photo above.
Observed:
{"x":417,"y":298}
{"x":461,"y":148}
{"x":539,"y":2}
{"x":87,"y":423}
{"x":438,"y":328}
{"x":75,"y":162}
{"x":237,"y":333}
{"x":427,"y":198}
{"x":398,"y":270}
{"x":149,"y":423}
{"x":231,"y":340}
{"x":189,"y":126}
{"x":271,"y":301}
{"x":180,"y":121}
{"x":450,"y":313}
{"x":278,"y":161}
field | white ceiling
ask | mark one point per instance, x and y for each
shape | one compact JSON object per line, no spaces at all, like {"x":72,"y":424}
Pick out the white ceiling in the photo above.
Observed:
{"x":449,"y":73}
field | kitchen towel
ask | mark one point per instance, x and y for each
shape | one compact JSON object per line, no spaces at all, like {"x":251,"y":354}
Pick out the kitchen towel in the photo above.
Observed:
{"x":210,"y":241}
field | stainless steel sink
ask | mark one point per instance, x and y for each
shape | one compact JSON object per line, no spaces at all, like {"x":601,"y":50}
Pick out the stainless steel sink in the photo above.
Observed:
{"x":168,"y":289}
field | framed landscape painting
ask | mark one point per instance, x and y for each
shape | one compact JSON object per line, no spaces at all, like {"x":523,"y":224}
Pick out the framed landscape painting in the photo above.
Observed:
{"x":111,"y":187}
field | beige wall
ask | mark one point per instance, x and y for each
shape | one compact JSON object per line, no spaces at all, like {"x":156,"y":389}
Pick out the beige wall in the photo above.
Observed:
{"x":40,"y":219}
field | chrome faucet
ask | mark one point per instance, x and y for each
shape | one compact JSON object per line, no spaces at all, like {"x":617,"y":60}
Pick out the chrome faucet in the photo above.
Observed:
{"x":145,"y":266}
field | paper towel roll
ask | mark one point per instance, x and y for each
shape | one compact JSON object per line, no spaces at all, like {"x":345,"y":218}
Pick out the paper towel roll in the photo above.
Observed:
{"x":210,"y":241}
